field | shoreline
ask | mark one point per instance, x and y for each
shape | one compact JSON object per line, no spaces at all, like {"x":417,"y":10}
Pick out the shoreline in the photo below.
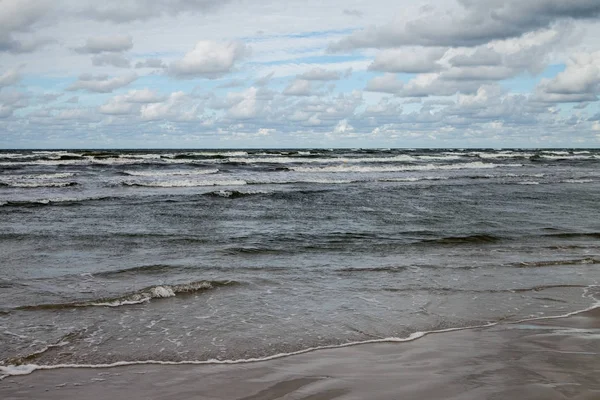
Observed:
{"x":538,"y":358}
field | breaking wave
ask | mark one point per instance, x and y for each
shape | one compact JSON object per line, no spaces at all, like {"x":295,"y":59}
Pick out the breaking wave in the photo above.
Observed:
{"x":184,"y":183}
{"x":137,"y":297}
{"x":171,"y":173}
{"x":37,"y":184}
{"x":400,"y":168}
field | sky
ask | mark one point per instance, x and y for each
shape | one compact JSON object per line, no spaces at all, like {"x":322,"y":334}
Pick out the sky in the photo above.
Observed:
{"x":299,"y":73}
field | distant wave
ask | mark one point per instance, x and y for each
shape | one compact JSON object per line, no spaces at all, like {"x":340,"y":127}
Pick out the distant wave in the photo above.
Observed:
{"x":576,"y":235}
{"x":52,"y":201}
{"x":552,"y":263}
{"x":172,"y":173}
{"x":37,"y":184}
{"x":138,"y":297}
{"x":235,"y":194}
{"x":400,"y":168}
{"x":59,"y":175}
{"x":184,"y":183}
{"x":464,"y":239}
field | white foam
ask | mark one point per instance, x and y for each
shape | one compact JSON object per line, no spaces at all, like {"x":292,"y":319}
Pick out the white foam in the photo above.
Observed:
{"x":577,"y":181}
{"x":172,"y":173}
{"x":13,"y":370}
{"x":400,"y":168}
{"x":41,"y":176}
{"x":330,"y":160}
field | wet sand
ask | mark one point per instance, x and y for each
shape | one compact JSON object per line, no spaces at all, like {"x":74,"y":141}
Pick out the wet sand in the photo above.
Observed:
{"x":542,"y":360}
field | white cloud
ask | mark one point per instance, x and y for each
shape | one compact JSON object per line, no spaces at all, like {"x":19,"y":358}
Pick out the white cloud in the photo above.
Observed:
{"x":320,"y":74}
{"x":178,"y":107}
{"x":101,"y":83}
{"x":110,"y":59}
{"x":408,"y":60}
{"x":209,"y":59}
{"x":579,"y":82}
{"x":298,"y":87}
{"x":113,"y":43}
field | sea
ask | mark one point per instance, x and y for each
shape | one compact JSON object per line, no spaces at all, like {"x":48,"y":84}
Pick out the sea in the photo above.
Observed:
{"x":114,"y":257}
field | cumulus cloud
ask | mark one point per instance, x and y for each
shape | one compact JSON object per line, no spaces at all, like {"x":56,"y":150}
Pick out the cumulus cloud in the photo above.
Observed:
{"x":19,"y":16}
{"x":264,"y":80}
{"x":244,"y":105}
{"x":110,"y":59}
{"x":477,"y":23}
{"x":209,"y":59}
{"x":387,"y":83}
{"x":177,"y":107}
{"x":131,"y":102}
{"x":579,"y":82}
{"x":113,"y":43}
{"x":101,"y":83}
{"x":298,"y":87}
{"x":12,"y":101}
{"x":408,"y":60}
{"x":151,"y":63}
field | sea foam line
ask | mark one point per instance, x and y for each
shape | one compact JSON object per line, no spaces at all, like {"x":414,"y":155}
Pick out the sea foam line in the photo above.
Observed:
{"x":26,"y":369}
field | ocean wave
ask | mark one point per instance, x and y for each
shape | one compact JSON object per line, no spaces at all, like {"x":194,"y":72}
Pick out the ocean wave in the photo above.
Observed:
{"x":16,"y":369}
{"x":329,"y":160}
{"x":552,"y":263}
{"x":53,"y":201}
{"x":142,"y":269}
{"x":59,"y":175}
{"x":484,"y":238}
{"x":183,"y":183}
{"x":172,"y":173}
{"x":36,"y":184}
{"x":138,"y":297}
{"x":235,"y":194}
{"x":400,"y":168}
{"x":575,"y":235}
{"x":577,"y":181}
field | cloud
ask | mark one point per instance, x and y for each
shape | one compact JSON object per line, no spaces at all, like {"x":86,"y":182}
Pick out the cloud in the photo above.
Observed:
{"x":353,"y":12}
{"x":9,"y":77}
{"x":477,"y":23}
{"x":244,"y":105}
{"x":151,"y":63}
{"x":482,"y":56}
{"x":177,"y":107}
{"x":264,"y":80}
{"x":579,"y":82}
{"x":320,"y":74}
{"x":232,"y":84}
{"x":209,"y":59}
{"x":387,"y":83}
{"x":101,"y":83}
{"x":132,"y":10}
{"x":298,"y":87}
{"x":408,"y":60}
{"x":113,"y":43}
{"x":19,"y":16}
{"x":11,"y":101}
{"x":112,"y":59}
{"x":131,"y":102}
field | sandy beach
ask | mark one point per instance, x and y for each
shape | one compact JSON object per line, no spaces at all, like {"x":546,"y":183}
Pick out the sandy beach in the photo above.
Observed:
{"x":542,"y":359}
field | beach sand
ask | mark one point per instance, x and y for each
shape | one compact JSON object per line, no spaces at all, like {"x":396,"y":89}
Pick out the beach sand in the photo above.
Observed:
{"x":543,"y":360}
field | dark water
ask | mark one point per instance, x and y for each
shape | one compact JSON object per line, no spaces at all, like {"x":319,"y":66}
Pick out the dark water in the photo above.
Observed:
{"x":170,"y":255}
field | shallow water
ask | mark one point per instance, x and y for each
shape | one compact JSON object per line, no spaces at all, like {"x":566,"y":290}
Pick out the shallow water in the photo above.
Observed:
{"x":172,"y":255}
